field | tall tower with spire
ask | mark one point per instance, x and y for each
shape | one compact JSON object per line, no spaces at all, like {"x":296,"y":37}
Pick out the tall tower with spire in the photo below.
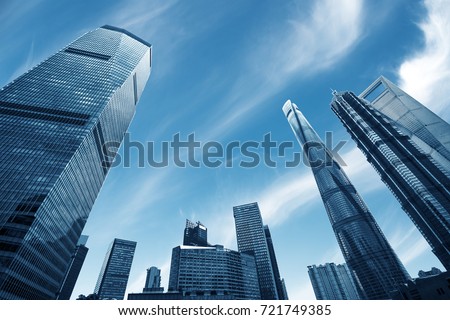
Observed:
{"x":372,"y":262}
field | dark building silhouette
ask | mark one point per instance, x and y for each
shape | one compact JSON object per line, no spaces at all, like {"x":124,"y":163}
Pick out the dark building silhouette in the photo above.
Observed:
{"x":113,"y":278}
{"x":281,"y":289}
{"x":432,"y":287}
{"x":74,"y":269}
{"x":409,"y":147}
{"x":54,"y":122}
{"x":372,"y":262}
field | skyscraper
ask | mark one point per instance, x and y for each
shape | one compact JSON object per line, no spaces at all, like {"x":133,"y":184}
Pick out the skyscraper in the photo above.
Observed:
{"x":55,"y":121}
{"x":371,"y":260}
{"x":195,"y":234}
{"x":74,"y":269}
{"x":113,"y":278}
{"x":252,"y":239}
{"x":409,"y":147}
{"x":332,"y":282}
{"x":153,"y":280}
{"x":281,"y":289}
{"x":213,"y":271}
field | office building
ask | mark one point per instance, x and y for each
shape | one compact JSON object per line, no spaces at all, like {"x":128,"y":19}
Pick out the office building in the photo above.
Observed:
{"x":332,"y":282}
{"x":279,"y":282}
{"x":195,"y":234}
{"x":55,"y":121}
{"x":113,"y":279}
{"x":251,"y":239}
{"x":74,"y":269}
{"x":409,"y":147}
{"x":213,"y":271}
{"x":372,"y":262}
{"x":153,"y":280}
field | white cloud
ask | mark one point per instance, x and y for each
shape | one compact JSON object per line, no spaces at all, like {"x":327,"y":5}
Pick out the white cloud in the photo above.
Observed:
{"x":302,"y":46}
{"x":426,"y":75}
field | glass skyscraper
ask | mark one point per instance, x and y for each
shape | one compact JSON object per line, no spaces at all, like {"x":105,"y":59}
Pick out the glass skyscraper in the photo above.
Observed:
{"x":374,"y":265}
{"x":252,"y":239}
{"x":332,"y":282}
{"x":409,"y":147}
{"x":75,"y":266}
{"x":213,"y":271}
{"x":113,"y":278}
{"x":54,"y":122}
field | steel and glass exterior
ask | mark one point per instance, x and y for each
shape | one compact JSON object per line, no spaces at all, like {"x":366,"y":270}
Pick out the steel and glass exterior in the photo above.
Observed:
{"x":409,"y":147}
{"x":373,"y":263}
{"x":252,"y":239}
{"x":54,"y":122}
{"x":113,"y":278}
{"x":213,"y":271}
{"x":332,"y":282}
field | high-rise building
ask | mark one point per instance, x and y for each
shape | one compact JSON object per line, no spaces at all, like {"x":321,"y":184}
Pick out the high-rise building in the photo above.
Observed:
{"x":113,"y":278}
{"x":374,"y":265}
{"x":279,"y":282}
{"x":213,"y":271}
{"x":195,"y":234}
{"x":74,"y":269}
{"x":153,"y":280}
{"x":55,"y":121}
{"x":409,"y":147}
{"x":332,"y":282}
{"x":252,"y":239}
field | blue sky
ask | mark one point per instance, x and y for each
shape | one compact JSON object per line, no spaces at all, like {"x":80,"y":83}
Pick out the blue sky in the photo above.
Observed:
{"x":222,"y":70}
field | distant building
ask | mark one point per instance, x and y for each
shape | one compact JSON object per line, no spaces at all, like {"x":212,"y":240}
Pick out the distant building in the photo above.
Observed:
{"x":113,"y":278}
{"x":74,"y":269}
{"x":281,"y":288}
{"x":213,"y":271}
{"x":433,"y":272}
{"x":433,"y":287}
{"x":153,"y":280}
{"x":251,"y":239}
{"x":332,"y":282}
{"x":195,"y":234}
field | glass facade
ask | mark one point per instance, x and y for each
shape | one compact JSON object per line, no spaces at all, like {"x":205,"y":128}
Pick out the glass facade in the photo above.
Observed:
{"x":332,"y":282}
{"x":213,"y":271}
{"x":281,"y":289}
{"x":74,"y":269}
{"x":374,"y":265}
{"x":113,"y":278}
{"x":252,"y":239}
{"x":54,"y":122}
{"x":408,"y":146}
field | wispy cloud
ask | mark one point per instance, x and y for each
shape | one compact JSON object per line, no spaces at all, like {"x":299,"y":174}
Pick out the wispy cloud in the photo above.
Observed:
{"x":299,"y":47}
{"x":426,"y":74}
